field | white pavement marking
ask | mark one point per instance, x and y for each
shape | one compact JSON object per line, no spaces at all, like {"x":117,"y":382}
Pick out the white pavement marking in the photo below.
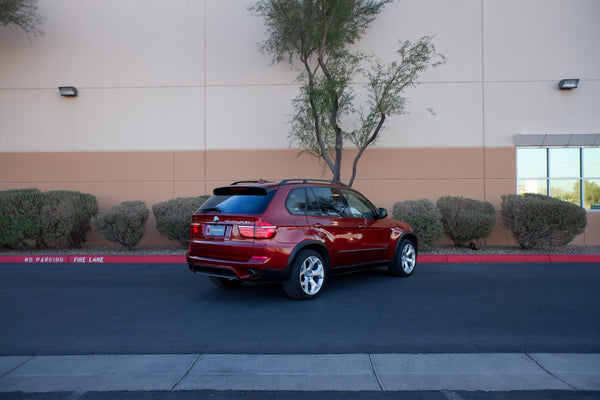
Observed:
{"x":343,"y":372}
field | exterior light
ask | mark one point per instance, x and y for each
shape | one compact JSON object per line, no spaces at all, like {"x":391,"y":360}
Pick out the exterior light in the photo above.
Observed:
{"x":68,"y":91}
{"x":567,"y":84}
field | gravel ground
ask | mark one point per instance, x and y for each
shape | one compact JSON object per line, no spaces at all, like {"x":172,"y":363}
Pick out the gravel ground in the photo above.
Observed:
{"x":175,"y":249}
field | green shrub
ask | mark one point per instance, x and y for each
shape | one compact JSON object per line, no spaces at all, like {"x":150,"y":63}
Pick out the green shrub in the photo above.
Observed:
{"x":466,"y":219}
{"x":537,"y":220}
{"x":425,"y":219}
{"x":65,"y":218}
{"x":173,"y":217}
{"x":19,"y":216}
{"x":123,"y":224}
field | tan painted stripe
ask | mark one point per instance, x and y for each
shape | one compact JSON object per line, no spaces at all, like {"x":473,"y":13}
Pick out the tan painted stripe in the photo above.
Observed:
{"x":384,"y":175}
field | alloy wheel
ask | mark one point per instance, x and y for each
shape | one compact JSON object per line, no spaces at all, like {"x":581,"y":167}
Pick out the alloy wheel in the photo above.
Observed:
{"x":312,"y":275}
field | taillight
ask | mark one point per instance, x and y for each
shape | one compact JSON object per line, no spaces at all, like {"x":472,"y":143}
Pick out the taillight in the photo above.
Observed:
{"x":194,"y":230}
{"x":260,"y":230}
{"x":246,"y":231}
{"x":264,"y":230}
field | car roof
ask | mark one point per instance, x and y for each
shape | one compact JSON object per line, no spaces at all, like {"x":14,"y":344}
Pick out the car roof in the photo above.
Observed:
{"x":294,"y":181}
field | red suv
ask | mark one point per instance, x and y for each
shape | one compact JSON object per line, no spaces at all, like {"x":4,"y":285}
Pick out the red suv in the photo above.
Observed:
{"x":298,"y":231}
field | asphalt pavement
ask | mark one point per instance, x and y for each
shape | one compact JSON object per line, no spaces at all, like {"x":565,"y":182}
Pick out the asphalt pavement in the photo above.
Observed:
{"x":451,"y":330}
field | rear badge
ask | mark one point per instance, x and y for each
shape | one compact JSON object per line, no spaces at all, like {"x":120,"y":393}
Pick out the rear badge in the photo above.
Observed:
{"x":216,"y":219}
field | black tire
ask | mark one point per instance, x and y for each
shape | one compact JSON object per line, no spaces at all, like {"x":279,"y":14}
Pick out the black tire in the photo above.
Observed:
{"x":307,"y":276}
{"x":225,"y":282}
{"x":405,"y":259}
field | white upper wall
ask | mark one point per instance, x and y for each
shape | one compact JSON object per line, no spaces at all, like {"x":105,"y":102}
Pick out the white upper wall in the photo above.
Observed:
{"x":187,"y":74}
{"x":529,"y":46}
{"x":538,"y":40}
{"x":108,"y":43}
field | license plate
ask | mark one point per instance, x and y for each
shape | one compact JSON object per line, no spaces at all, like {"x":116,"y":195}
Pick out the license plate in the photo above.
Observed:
{"x":215,"y":230}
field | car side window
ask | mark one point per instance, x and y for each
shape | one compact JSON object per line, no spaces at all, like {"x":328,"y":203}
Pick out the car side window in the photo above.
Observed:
{"x":312,"y":203}
{"x":330,"y":200}
{"x":296,"y":201}
{"x":359,"y":206}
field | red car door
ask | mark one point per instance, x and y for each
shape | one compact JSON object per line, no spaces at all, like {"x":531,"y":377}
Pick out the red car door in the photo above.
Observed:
{"x":373,"y":234}
{"x":327,"y":216}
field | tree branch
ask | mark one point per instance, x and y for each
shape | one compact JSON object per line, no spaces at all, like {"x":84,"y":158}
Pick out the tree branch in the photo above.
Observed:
{"x":364,"y":147}
{"x":315,"y":113}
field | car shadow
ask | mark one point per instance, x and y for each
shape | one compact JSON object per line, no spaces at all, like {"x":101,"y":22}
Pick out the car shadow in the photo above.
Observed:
{"x":272,"y":291}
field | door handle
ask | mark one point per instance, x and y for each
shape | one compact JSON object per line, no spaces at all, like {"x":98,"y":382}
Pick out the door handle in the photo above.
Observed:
{"x":317,"y":225}
{"x":361,"y":227}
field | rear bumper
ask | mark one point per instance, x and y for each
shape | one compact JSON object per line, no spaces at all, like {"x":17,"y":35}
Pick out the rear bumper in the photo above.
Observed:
{"x":254,"y":269}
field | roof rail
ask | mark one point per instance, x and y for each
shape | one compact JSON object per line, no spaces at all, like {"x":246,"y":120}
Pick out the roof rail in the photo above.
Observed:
{"x":300,"y":180}
{"x":260,"y":181}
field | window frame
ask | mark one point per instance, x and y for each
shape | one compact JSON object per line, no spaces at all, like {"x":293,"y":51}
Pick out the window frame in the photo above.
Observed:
{"x":548,"y":178}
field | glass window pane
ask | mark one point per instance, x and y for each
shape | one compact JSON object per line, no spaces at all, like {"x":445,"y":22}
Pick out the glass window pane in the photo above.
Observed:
{"x":359,"y":207}
{"x":531,"y":163}
{"x":564,"y":163}
{"x":296,"y":201}
{"x":243,"y":202}
{"x":566,"y":189}
{"x":591,"y":162}
{"x":539,"y":186}
{"x":330,"y":201}
{"x":591,"y":194}
{"x":313,"y":205}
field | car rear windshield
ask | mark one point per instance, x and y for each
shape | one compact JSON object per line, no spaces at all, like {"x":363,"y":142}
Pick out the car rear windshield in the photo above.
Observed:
{"x":238,"y":200}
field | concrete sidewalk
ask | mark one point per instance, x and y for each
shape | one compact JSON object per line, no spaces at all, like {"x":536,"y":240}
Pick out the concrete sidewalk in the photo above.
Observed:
{"x":346,"y":372}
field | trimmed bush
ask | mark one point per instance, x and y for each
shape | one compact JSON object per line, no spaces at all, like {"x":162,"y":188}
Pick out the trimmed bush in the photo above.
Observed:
{"x":123,"y":224}
{"x":537,"y":220}
{"x":173,"y":217}
{"x":19,"y":216}
{"x":65,"y":218}
{"x":465,"y":219}
{"x":425,"y":219}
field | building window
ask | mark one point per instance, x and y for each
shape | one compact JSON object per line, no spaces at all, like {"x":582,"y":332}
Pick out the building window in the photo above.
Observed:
{"x":567,"y":173}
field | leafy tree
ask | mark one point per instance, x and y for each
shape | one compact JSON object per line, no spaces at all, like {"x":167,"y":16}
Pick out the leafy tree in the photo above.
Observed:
{"x":22,"y":14}
{"x":317,"y":35}
{"x":592,"y":193}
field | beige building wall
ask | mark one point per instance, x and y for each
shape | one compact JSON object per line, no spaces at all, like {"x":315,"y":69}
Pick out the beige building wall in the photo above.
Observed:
{"x":175,"y":99}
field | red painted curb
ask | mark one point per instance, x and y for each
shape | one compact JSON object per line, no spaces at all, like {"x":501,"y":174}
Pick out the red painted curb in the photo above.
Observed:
{"x":432,"y":258}
{"x":501,"y":258}
{"x":576,"y":258}
{"x":507,"y":258}
{"x":180,"y":259}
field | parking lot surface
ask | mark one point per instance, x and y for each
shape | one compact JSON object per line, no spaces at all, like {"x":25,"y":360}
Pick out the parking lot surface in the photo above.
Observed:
{"x":157,"y":327}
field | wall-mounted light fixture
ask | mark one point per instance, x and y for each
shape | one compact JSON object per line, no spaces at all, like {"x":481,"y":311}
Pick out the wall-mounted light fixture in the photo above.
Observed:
{"x":68,"y":91}
{"x":567,"y":84}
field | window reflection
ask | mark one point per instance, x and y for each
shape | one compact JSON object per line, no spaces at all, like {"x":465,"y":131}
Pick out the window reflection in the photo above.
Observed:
{"x":591,"y":194}
{"x":330,"y":201}
{"x":564,"y":163}
{"x":539,"y":186}
{"x":531,"y":163}
{"x":591,"y":162}
{"x":566,"y":189}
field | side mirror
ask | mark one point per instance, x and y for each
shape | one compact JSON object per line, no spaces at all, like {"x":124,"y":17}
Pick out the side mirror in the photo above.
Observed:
{"x":382,"y":213}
